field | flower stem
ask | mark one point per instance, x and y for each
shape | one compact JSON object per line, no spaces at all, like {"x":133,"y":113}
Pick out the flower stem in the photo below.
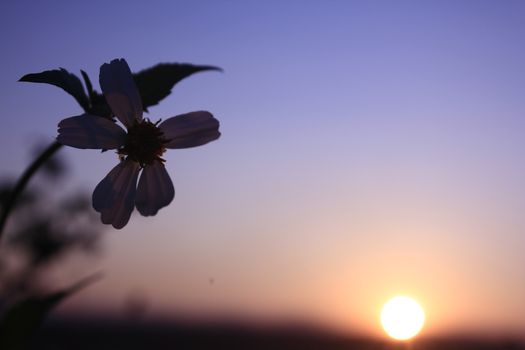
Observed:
{"x":23,"y":181}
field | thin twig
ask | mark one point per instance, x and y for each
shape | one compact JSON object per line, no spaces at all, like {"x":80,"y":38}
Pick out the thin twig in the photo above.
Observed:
{"x":24,"y":179}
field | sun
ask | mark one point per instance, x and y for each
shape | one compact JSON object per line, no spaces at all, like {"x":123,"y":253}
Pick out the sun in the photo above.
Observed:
{"x":402,"y":317}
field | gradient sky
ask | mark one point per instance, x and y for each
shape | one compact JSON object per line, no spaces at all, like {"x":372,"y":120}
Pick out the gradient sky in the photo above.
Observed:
{"x":369,"y":148}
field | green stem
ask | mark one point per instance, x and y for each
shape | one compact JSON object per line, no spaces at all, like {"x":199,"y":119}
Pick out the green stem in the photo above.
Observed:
{"x":23,"y":181}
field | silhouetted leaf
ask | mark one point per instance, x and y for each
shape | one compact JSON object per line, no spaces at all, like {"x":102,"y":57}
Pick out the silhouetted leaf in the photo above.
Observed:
{"x":155,"y":83}
{"x":98,"y":102}
{"x":99,"y":106}
{"x":69,"y":82}
{"x":24,"y":317}
{"x":87,"y":81}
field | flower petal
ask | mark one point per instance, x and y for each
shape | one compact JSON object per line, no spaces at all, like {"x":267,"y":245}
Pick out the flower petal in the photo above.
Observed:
{"x":190,"y":129}
{"x":155,"y":189}
{"x":90,"y":131}
{"x":114,"y":196}
{"x":120,"y":91}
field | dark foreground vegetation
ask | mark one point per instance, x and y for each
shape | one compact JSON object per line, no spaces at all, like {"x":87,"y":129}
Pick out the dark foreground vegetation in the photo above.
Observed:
{"x":75,"y":334}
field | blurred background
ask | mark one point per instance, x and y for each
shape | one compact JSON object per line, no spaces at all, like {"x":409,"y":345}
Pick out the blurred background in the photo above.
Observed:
{"x":369,"y":148}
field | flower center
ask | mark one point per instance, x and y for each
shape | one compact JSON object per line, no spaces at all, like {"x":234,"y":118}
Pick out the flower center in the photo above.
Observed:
{"x":144,"y":143}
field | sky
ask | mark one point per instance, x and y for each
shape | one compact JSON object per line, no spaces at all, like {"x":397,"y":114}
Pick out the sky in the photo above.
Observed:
{"x":368,"y":149}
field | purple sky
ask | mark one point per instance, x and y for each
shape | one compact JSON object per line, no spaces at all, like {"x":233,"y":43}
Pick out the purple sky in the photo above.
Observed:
{"x":369,"y":148}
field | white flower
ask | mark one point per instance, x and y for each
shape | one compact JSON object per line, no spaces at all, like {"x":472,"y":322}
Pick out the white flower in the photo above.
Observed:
{"x":139,"y":149}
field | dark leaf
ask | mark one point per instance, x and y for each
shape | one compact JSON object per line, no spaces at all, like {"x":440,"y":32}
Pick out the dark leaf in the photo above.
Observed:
{"x":87,"y":81}
{"x":155,"y":83}
{"x":24,"y":317}
{"x":70,"y":83}
{"x":99,"y":106}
